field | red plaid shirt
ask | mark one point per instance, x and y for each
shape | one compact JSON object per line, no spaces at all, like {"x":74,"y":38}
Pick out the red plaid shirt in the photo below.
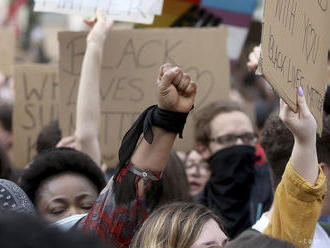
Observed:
{"x":117,"y":224}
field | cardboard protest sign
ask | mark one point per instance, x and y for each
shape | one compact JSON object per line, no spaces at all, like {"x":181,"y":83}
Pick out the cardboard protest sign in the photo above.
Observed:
{"x":130,"y":68}
{"x":120,"y":10}
{"x":294,"y":50}
{"x":36,"y":104}
{"x":7,"y":50}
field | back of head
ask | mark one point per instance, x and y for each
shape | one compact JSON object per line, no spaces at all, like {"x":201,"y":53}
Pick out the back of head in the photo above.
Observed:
{"x":258,"y":240}
{"x":49,"y":136}
{"x":175,"y":186}
{"x":277,"y":141}
{"x":57,"y":161}
{"x":174,"y":225}
{"x":13,"y":199}
{"x":17,"y":231}
{"x":205,"y":115}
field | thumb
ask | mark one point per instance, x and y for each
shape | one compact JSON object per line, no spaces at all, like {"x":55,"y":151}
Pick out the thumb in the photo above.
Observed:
{"x":169,"y":76}
{"x":302,"y":105}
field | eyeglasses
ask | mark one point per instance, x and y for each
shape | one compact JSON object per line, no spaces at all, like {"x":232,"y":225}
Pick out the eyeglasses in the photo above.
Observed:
{"x":200,"y":166}
{"x":231,"y":139}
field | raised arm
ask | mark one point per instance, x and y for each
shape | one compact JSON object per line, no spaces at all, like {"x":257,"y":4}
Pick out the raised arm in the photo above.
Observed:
{"x":299,"y":196}
{"x":133,"y":192}
{"x":88,"y":103}
{"x":303,"y":127}
{"x":176,"y":92}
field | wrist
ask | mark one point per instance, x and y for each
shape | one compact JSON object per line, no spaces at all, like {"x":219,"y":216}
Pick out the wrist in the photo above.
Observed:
{"x":98,"y":39}
{"x":307,"y":143}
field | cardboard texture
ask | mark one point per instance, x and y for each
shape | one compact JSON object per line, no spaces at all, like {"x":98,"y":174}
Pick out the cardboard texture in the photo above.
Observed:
{"x":36,"y":104}
{"x":130,"y":68}
{"x":294,"y":51}
{"x":7,"y":50}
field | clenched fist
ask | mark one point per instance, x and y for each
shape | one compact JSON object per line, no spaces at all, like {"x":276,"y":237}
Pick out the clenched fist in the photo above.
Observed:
{"x":176,"y":90}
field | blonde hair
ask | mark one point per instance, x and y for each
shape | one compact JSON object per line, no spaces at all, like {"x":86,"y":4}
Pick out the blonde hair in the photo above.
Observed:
{"x":173,"y":225}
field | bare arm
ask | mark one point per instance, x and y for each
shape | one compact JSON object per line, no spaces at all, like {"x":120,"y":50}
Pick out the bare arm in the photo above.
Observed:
{"x":116,"y":221}
{"x":176,"y":92}
{"x":303,"y":127}
{"x":88,"y":104}
{"x":299,"y":196}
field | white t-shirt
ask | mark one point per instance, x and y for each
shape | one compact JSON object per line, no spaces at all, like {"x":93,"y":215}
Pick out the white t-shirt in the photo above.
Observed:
{"x":320,"y":240}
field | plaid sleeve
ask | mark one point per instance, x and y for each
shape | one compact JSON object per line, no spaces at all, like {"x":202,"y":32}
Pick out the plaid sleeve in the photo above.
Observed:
{"x":116,"y":224}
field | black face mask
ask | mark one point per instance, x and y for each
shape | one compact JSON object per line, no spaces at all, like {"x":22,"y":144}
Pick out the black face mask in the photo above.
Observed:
{"x":229,"y":188}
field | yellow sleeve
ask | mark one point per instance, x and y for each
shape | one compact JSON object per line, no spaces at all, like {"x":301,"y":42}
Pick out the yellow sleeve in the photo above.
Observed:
{"x":297,"y":208}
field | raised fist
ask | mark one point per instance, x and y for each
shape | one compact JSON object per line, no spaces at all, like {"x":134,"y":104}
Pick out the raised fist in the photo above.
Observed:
{"x":176,"y":90}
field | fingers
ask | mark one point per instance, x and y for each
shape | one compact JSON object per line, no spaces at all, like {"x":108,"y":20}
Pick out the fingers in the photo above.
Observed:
{"x":183,"y":83}
{"x":164,"y":68}
{"x":254,"y":57}
{"x":178,"y":79}
{"x":90,"y":22}
{"x":67,"y":142}
{"x":169,"y":76}
{"x":302,"y":105}
{"x":285,"y":112}
{"x":191,"y":89}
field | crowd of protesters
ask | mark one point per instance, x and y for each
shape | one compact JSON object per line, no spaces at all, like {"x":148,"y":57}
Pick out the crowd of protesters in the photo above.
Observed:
{"x":243,"y":185}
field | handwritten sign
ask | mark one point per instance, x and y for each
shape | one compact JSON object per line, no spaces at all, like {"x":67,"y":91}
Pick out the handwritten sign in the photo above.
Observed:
{"x":137,"y":11}
{"x":294,"y":50}
{"x":36,"y":104}
{"x":7,"y":50}
{"x":130,"y":68}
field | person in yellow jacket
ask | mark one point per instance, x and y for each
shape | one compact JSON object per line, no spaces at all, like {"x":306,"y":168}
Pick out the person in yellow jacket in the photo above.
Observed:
{"x":299,"y":196}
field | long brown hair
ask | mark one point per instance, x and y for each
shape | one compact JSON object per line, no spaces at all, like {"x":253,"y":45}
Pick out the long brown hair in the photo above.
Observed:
{"x":173,"y":225}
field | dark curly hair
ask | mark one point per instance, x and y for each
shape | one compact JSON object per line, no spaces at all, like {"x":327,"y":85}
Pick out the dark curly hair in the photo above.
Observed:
{"x":278,"y":141}
{"x":57,"y":161}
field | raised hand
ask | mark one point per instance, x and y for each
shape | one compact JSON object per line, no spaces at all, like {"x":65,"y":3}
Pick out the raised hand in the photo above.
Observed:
{"x":101,"y":27}
{"x":303,"y":127}
{"x":254,"y":57}
{"x":176,"y":90}
{"x":69,"y":141}
{"x":301,"y":124}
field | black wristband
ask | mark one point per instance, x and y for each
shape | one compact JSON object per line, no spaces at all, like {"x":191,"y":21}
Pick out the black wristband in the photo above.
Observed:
{"x":169,"y":120}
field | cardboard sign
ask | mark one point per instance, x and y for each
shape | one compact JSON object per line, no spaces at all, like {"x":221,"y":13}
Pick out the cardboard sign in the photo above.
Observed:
{"x":294,"y":51}
{"x":36,"y":104}
{"x":130,"y":68}
{"x":7,"y":50}
{"x":120,"y":10}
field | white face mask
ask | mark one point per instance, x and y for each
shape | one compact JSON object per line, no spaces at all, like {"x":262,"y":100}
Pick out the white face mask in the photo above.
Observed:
{"x":67,"y":223}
